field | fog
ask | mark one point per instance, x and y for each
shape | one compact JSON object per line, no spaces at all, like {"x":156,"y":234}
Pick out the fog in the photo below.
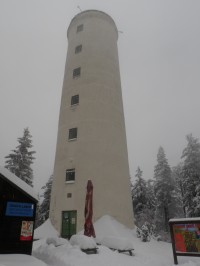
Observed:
{"x":159,"y":61}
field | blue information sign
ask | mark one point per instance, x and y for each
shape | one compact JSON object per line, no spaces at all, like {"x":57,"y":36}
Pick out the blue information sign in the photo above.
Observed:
{"x":19,"y":209}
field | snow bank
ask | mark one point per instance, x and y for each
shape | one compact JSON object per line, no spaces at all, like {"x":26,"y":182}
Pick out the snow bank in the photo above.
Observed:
{"x":84,"y":242}
{"x":45,"y":230}
{"x":108,"y":226}
{"x":63,"y":255}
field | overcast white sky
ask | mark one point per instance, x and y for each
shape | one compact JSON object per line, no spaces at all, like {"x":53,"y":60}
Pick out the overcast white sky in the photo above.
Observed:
{"x":159,"y":52}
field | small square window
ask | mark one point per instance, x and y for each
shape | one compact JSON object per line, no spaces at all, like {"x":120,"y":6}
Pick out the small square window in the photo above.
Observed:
{"x":69,"y":195}
{"x":78,"y":49}
{"x":70,"y":175}
{"x":79,"y":28}
{"x":73,"y":133}
{"x":76,"y":72}
{"x":74,"y":99}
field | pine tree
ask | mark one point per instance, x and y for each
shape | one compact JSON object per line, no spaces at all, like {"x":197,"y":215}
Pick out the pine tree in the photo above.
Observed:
{"x":179,"y":192}
{"x":139,"y":193}
{"x":140,"y":201}
{"x":191,"y":177}
{"x":145,"y":234}
{"x":163,"y":189}
{"x":149,"y":211}
{"x":37,"y":219}
{"x":150,"y":195}
{"x":43,"y":212}
{"x":20,"y":160}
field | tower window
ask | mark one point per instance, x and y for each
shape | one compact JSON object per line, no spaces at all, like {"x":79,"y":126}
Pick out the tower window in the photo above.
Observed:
{"x":70,"y":175}
{"x":69,"y":195}
{"x":79,"y":28}
{"x":76,"y":72}
{"x":74,"y":99}
{"x":73,"y":133}
{"x":78,"y":49}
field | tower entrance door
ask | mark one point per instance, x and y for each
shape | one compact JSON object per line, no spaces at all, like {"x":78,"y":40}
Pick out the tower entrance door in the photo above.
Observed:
{"x":69,"y":219}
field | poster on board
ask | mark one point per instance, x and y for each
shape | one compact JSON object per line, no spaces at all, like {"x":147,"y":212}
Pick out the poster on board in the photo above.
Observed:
{"x":187,"y":237}
{"x":26,"y":231}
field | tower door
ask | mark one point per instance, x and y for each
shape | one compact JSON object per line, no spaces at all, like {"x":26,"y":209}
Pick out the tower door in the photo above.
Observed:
{"x":68,"y":223}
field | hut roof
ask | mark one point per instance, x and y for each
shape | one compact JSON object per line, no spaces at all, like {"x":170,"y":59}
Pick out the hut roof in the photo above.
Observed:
{"x":15,"y":180}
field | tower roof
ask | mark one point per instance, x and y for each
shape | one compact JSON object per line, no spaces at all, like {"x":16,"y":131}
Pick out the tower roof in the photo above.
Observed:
{"x":92,"y":12}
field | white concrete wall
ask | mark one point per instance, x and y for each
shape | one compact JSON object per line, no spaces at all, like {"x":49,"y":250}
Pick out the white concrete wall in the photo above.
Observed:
{"x":100,"y":151}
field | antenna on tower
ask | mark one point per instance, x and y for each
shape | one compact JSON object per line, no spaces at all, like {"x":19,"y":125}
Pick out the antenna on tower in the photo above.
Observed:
{"x":79,"y":8}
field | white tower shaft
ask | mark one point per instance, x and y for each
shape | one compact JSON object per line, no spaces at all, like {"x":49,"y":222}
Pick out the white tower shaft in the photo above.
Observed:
{"x":91,"y":141}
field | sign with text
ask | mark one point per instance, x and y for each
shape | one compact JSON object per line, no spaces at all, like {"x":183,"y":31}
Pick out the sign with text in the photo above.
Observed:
{"x":185,"y":234}
{"x":19,"y":209}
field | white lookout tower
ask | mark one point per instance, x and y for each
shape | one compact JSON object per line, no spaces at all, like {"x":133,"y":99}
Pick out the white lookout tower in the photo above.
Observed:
{"x":91,"y":141}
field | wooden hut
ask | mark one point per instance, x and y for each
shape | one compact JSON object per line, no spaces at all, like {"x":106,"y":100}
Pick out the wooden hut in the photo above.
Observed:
{"x":18,"y":204}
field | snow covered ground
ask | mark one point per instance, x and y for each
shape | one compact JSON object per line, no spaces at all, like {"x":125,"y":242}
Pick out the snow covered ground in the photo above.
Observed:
{"x":55,"y":251}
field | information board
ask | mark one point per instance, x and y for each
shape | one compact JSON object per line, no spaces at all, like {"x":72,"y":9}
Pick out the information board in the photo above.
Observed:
{"x":187,"y":237}
{"x":19,"y":209}
{"x":185,"y":234}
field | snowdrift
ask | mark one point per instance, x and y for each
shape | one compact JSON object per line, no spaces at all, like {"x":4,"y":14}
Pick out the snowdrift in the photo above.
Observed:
{"x":46,"y":230}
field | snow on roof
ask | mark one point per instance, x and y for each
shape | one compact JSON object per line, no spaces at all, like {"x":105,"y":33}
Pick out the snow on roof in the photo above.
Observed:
{"x":18,"y":182}
{"x":45,"y":230}
{"x":185,"y":219}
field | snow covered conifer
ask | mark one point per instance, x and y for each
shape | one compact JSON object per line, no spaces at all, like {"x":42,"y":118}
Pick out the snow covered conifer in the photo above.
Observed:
{"x":20,"y":160}
{"x":142,"y":210}
{"x":191,"y":177}
{"x":163,"y":189}
{"x":150,"y":196}
{"x":44,"y":207}
{"x":37,"y":219}
{"x":145,"y":235}
{"x":139,"y":193}
{"x":138,"y":232}
{"x":179,"y":192}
